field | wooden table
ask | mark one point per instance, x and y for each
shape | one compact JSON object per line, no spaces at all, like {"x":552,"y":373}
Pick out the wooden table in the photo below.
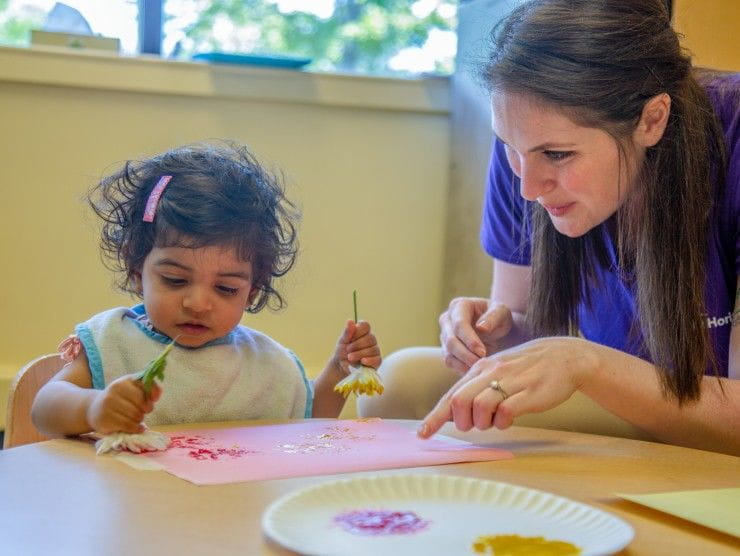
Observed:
{"x":59,"y":498}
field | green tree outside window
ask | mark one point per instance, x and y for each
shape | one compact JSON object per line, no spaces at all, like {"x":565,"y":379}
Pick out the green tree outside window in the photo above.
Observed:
{"x":360,"y":36}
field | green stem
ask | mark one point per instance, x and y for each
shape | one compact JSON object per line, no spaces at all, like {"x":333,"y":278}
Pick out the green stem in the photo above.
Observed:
{"x":155,"y":369}
{"x":354,"y":302}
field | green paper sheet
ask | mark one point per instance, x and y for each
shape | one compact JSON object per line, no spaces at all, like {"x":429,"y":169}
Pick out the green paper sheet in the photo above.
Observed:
{"x":715,"y":508}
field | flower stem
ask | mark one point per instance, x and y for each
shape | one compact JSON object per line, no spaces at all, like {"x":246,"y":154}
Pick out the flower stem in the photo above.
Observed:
{"x":354,"y":302}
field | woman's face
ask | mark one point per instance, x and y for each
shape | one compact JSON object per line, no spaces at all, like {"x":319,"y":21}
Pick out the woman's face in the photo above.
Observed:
{"x":574,"y":172}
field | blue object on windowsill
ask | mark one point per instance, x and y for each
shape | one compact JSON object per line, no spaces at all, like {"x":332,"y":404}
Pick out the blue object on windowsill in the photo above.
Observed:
{"x":252,"y":60}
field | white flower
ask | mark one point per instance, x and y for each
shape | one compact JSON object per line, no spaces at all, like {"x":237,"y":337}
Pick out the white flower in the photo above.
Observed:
{"x":147,"y":441}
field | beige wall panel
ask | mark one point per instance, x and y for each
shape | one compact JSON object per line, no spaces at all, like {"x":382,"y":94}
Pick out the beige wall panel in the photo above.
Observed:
{"x":711,"y":30}
{"x":371,"y":184}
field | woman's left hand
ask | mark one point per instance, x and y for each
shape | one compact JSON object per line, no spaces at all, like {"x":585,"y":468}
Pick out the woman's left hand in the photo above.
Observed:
{"x":528,"y":378}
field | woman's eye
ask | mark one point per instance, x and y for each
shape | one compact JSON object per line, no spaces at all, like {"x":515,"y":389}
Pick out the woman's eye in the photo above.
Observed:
{"x":226,"y":290}
{"x":171,"y":281}
{"x":557,"y":155}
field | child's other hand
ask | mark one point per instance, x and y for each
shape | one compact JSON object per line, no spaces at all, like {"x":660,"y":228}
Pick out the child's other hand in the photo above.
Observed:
{"x":357,"y":345}
{"x":121,"y":407}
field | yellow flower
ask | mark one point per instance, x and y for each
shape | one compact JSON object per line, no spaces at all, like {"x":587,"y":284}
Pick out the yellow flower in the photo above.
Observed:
{"x":362,"y":380}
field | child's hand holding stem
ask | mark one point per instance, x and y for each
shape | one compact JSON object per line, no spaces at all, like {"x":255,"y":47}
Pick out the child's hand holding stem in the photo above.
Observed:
{"x":356,"y":346}
{"x":363,"y":357}
{"x":121,"y":407}
{"x":350,"y":369}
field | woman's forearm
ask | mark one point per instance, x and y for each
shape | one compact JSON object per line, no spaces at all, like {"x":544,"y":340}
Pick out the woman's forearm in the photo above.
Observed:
{"x":631,"y":388}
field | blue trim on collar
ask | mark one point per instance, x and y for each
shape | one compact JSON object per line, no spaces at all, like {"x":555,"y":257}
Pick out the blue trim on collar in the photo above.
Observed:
{"x":308,"y":413}
{"x":94,"y":361}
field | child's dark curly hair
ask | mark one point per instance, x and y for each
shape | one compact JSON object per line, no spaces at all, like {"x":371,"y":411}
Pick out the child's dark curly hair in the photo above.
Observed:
{"x":218,"y":195}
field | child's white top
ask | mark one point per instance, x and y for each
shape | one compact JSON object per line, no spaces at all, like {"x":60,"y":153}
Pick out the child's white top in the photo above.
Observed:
{"x":243,"y":375}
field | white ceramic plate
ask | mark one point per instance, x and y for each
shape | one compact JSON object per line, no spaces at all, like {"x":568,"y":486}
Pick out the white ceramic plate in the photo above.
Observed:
{"x":458,"y":509}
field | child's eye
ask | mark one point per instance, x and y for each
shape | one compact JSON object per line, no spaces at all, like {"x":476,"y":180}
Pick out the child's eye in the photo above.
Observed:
{"x":226,"y":290}
{"x":558,"y":155}
{"x":172,"y":281}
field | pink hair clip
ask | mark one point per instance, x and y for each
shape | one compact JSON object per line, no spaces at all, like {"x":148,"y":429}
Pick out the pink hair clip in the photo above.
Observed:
{"x":153,"y":200}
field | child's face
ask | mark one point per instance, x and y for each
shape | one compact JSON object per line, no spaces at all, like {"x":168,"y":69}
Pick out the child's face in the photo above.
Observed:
{"x":196,"y":294}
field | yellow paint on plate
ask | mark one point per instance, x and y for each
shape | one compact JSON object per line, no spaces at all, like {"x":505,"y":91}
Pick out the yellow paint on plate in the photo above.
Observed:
{"x":515,"y":545}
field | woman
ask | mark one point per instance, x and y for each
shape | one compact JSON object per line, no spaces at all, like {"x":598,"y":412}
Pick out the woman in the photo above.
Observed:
{"x":611,"y":210}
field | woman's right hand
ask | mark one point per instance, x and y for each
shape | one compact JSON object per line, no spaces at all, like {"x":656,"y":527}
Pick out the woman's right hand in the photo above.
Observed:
{"x":121,"y":407}
{"x":470,"y":329}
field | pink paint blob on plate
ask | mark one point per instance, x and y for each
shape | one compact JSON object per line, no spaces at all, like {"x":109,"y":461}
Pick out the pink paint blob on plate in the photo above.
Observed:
{"x":381,"y":522}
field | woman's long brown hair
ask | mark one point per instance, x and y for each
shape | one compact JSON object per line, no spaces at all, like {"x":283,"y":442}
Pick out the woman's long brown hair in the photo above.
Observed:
{"x":600,"y":62}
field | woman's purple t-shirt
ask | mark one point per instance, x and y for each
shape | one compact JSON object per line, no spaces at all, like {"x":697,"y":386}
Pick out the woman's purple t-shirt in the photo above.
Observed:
{"x":609,"y":318}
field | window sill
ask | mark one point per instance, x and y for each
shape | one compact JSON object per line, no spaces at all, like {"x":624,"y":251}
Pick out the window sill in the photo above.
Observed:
{"x":99,"y":70}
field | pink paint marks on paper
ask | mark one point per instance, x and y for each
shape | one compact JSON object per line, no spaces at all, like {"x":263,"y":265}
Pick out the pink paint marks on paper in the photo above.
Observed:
{"x":333,"y":439}
{"x":381,"y":522}
{"x":305,"y":448}
{"x":203,"y":448}
{"x":189,"y":442}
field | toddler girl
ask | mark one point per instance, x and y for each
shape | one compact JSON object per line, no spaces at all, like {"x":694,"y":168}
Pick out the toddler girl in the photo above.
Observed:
{"x":198,"y":233}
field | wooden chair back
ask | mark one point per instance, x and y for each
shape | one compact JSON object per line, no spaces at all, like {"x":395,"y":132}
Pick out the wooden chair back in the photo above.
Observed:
{"x":19,"y":428}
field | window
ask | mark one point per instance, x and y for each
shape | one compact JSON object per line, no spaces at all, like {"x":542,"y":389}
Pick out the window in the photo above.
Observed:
{"x":381,"y":37}
{"x":110,"y":18}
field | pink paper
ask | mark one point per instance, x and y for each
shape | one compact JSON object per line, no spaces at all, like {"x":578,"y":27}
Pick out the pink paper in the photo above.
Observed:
{"x":217,"y":456}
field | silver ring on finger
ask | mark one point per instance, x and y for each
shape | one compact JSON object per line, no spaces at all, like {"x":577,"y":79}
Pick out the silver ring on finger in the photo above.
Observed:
{"x":496,"y":386}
